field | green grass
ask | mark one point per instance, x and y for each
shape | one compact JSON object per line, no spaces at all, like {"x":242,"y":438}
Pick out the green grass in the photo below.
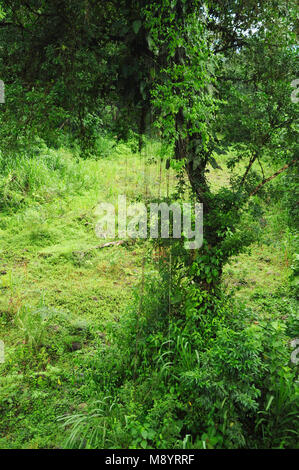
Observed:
{"x":58,"y":289}
{"x":49,"y":257}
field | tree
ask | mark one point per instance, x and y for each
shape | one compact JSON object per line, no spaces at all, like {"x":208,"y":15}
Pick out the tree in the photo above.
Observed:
{"x":224,"y":69}
{"x":214,"y":75}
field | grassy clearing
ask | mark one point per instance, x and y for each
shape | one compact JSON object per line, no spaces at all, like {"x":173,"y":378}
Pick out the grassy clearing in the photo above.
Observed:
{"x":57,"y":290}
{"x":49,"y":263}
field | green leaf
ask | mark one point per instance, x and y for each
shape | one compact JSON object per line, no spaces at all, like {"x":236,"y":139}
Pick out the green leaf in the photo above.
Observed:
{"x":136,"y":26}
{"x":150,"y":42}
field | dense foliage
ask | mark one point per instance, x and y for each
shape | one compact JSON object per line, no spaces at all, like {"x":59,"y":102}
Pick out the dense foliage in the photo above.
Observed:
{"x":186,"y":366}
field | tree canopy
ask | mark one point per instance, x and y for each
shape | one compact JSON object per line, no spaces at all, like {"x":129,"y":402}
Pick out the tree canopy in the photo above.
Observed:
{"x":208,"y":76}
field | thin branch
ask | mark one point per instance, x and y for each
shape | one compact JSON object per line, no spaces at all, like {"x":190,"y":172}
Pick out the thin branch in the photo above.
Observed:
{"x":4,"y":24}
{"x":251,"y":162}
{"x":285,"y":167}
{"x":261,"y":167}
{"x":235,"y":44}
{"x":37,"y":13}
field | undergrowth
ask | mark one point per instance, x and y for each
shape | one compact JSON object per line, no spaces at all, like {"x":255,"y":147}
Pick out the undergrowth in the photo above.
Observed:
{"x":96,"y":357}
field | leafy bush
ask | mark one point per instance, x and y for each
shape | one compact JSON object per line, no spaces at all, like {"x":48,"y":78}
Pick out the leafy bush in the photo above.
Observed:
{"x":189,"y":368}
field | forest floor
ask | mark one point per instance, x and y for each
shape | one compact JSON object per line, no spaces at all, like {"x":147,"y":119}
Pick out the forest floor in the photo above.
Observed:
{"x":58,"y":289}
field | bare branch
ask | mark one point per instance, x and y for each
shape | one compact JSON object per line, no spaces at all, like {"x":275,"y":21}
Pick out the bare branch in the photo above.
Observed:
{"x":251,"y":162}
{"x":285,"y":167}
